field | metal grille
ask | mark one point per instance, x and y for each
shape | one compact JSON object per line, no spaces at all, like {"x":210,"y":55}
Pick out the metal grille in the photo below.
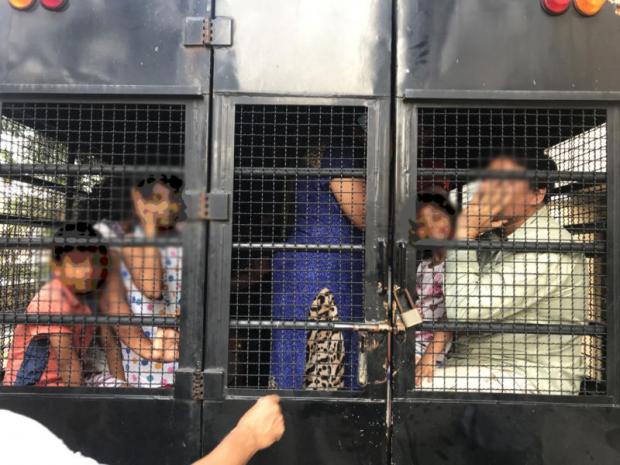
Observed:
{"x":89,"y":250}
{"x":511,"y":287}
{"x":298,"y":233}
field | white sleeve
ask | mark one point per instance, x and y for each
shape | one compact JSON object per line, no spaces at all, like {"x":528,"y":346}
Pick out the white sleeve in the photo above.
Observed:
{"x":28,"y":441}
{"x":105,"y":230}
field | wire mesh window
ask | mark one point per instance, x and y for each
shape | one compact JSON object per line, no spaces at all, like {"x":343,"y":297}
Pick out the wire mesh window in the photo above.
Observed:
{"x":298,"y":252}
{"x":90,"y":257}
{"x":511,"y":240}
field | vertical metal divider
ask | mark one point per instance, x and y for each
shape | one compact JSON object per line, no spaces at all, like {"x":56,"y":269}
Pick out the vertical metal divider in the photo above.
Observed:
{"x":404,"y":208}
{"x":377,"y":222}
{"x":194,"y":239}
{"x":613,"y":253}
{"x":2,"y":326}
{"x":220,"y":252}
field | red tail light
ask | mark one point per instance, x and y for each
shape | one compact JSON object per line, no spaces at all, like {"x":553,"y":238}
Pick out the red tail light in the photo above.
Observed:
{"x":555,"y":7}
{"x":54,"y":4}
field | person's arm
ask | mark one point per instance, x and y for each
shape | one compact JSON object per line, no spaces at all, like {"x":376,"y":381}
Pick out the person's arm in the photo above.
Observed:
{"x":351,"y":195}
{"x":166,"y":344}
{"x":114,"y":303}
{"x":144,"y":263}
{"x":144,"y":266}
{"x":425,"y":367}
{"x":66,"y":357}
{"x":112,"y":351}
{"x":259,"y":428}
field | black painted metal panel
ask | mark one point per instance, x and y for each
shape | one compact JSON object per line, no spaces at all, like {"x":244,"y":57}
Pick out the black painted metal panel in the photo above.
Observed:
{"x":505,"y":45}
{"x":116,"y":430}
{"x":460,"y":433}
{"x":317,"y":432}
{"x":103,"y":42}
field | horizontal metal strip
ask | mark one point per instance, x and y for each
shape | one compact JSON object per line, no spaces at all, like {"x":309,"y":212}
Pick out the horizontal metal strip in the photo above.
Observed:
{"x":595,"y":329}
{"x":65,"y":189}
{"x":520,"y":246}
{"x":301,"y":247}
{"x":337,"y":172}
{"x":46,"y":242}
{"x":16,"y":170}
{"x":27,"y":221}
{"x":462,"y":173}
{"x":519,"y":95}
{"x":308,"y":325}
{"x":105,"y":90}
{"x":580,"y":188}
{"x":51,"y":319}
{"x":584,"y":228}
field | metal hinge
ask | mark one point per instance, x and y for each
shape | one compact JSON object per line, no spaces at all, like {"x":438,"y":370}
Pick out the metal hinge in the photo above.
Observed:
{"x":198,"y":385}
{"x":208,"y":384}
{"x":200,"y":206}
{"x":202,"y":32}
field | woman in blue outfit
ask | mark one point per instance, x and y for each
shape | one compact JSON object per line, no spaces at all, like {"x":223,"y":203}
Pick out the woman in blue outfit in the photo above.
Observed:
{"x":328,"y":211}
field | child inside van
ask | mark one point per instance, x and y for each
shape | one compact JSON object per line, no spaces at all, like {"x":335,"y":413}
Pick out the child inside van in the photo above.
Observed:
{"x":435,"y":220}
{"x":145,"y":281}
{"x":51,"y":354}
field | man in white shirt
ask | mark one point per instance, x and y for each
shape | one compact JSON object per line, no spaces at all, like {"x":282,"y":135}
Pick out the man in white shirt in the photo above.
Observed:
{"x":510,"y":285}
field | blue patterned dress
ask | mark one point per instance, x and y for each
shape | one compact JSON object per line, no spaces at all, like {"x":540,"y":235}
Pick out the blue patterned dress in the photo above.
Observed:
{"x":298,"y":276}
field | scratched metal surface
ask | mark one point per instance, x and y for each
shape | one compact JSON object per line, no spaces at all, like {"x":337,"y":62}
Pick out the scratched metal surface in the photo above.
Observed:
{"x":505,"y":45}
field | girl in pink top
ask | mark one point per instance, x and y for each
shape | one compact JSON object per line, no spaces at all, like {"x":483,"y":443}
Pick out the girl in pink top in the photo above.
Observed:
{"x":434,"y":221}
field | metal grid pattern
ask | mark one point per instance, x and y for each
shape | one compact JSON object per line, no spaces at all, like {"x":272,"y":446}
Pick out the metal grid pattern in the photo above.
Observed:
{"x":511,"y":275}
{"x":90,"y":257}
{"x":298,"y":246}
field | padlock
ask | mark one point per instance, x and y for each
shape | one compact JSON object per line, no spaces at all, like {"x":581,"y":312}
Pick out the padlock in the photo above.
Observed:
{"x":408,"y":313}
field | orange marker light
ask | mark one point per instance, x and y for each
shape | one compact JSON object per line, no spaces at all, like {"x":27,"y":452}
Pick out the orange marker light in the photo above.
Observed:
{"x":21,"y":4}
{"x":589,"y":7}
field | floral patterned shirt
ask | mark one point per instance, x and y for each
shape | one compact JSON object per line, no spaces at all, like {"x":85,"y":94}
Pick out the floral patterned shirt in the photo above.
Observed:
{"x":430,"y":292}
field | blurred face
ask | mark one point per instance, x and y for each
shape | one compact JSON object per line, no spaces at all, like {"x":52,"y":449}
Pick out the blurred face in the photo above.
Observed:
{"x":82,"y":271}
{"x":162,"y":203}
{"x":433,"y":223}
{"x":521,"y":197}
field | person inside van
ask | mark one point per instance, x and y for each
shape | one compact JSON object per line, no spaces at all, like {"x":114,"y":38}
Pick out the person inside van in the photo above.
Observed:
{"x":534,"y":285}
{"x":145,"y":280}
{"x":53,"y":354}
{"x":434,"y":220}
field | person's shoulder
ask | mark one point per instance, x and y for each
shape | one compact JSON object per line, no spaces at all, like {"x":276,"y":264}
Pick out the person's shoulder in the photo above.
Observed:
{"x":429,"y":266}
{"x":52,"y":288}
{"x":54,"y":296}
{"x":108,"y":230}
{"x":542,"y":227}
{"x":26,"y":432}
